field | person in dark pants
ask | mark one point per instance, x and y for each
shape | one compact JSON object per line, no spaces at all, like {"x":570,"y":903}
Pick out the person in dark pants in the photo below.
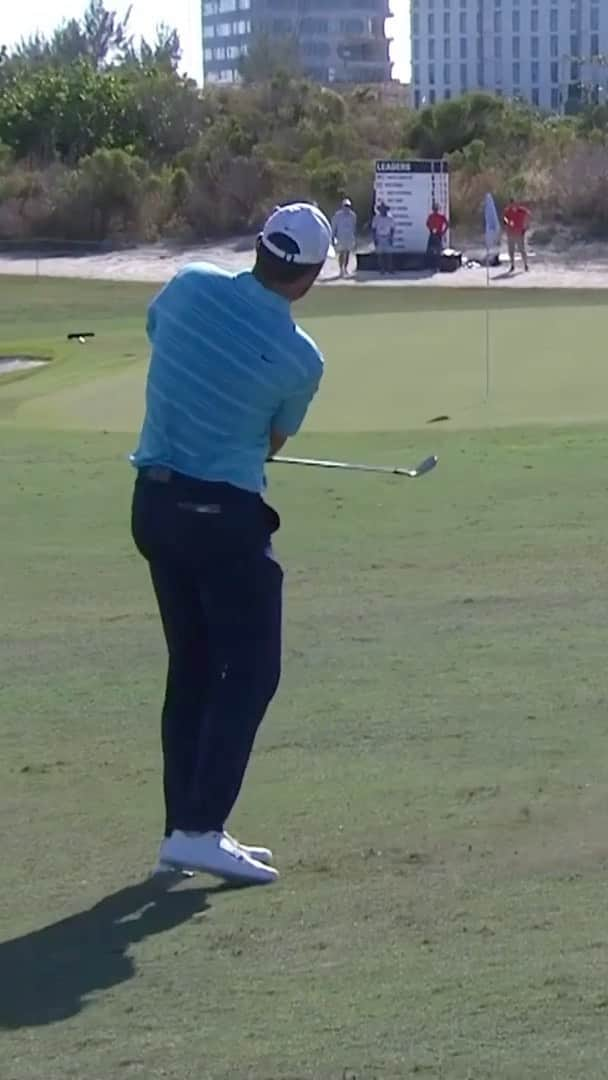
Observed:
{"x":231,"y":378}
{"x":383,"y":232}
{"x":516,"y":220}
{"x":437,"y":225}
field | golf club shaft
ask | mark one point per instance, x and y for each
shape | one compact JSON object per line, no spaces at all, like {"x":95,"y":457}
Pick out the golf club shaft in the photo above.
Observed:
{"x":391,"y":469}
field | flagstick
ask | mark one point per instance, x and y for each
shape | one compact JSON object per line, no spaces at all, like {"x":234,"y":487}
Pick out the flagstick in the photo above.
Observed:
{"x":487,"y":325}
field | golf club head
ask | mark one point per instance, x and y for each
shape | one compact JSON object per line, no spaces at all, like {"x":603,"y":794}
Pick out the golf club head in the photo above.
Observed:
{"x":424,"y":467}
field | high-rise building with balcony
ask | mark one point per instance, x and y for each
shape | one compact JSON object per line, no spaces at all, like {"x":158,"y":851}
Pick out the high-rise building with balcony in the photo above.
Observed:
{"x":338,"y":40}
{"x":548,"y":52}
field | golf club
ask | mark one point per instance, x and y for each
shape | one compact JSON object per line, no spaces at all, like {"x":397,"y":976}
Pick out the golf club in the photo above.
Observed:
{"x":418,"y":470}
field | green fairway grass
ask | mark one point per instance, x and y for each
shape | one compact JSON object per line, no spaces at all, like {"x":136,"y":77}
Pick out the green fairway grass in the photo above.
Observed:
{"x":432,"y":775}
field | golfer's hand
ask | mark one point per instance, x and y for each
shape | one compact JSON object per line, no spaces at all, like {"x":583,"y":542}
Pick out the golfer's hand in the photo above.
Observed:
{"x":277,"y":442}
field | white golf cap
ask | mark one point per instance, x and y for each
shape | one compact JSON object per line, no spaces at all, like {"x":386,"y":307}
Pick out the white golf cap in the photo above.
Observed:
{"x":346,"y":202}
{"x":298,"y":233}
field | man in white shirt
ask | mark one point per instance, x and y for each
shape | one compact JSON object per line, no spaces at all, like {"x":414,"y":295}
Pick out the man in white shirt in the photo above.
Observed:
{"x":383,"y":231}
{"x":344,"y":228}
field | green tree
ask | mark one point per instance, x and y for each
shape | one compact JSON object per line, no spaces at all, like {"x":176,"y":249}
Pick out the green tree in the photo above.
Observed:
{"x":162,"y":112}
{"x":98,"y":37}
{"x":65,"y":112}
{"x":107,"y":191}
{"x":452,"y":125}
{"x":164,"y":52}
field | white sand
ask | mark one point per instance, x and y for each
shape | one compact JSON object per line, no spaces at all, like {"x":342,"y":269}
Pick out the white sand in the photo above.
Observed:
{"x":578,"y":267}
{"x":9,"y":364}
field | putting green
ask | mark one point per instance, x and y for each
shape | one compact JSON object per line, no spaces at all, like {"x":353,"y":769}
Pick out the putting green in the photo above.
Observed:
{"x":395,"y":357}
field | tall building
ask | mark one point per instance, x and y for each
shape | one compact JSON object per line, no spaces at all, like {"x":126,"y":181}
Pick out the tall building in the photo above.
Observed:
{"x":549,"y":52}
{"x":339,"y":40}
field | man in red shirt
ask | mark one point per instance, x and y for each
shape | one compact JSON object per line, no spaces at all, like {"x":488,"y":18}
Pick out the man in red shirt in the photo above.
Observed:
{"x":516,"y":220}
{"x":437,"y":225}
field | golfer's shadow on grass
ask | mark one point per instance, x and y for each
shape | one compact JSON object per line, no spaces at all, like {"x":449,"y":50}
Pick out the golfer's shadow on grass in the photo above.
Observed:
{"x":47,"y":976}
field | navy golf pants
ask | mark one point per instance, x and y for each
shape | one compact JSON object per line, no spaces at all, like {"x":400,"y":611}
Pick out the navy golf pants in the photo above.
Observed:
{"x":219,"y":592}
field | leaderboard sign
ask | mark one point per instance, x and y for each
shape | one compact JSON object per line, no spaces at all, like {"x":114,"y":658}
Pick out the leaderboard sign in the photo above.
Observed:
{"x":410,"y":188}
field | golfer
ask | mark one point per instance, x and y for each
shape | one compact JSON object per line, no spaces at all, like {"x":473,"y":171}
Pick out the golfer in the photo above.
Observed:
{"x":437,"y":225}
{"x":231,"y":377}
{"x":344,"y":229}
{"x":516,"y":220}
{"x":383,"y":232}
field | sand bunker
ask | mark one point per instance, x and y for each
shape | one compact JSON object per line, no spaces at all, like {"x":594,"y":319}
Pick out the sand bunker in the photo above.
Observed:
{"x":10,"y":364}
{"x":577,"y":266}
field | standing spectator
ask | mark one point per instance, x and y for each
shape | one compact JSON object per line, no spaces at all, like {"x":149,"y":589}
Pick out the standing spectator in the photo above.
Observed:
{"x":437,"y":225}
{"x":516,"y":220}
{"x":344,"y":229}
{"x":383,"y":232}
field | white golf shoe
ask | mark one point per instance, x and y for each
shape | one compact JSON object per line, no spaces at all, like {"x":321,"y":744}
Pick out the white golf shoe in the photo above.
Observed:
{"x":259,"y":854}
{"x":214,"y":853}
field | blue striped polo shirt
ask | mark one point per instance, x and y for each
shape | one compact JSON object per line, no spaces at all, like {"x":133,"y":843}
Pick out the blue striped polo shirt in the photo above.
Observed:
{"x":228,"y":365}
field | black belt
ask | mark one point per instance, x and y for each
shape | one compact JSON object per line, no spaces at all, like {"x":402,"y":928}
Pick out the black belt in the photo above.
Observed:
{"x":162,"y":474}
{"x":201,"y":495}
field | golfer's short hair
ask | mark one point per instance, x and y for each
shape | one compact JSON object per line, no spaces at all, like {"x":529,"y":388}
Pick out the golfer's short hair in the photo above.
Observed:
{"x":277,"y":271}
